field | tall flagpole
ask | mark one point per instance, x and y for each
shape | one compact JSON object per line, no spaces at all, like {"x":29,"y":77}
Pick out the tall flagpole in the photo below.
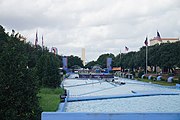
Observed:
{"x":146,"y":58}
{"x":146,"y":43}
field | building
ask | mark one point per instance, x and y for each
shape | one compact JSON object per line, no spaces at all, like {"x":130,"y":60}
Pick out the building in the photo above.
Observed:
{"x":163,"y":40}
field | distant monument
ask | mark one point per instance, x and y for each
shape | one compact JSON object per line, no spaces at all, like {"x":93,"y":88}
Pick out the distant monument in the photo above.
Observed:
{"x":83,"y":57}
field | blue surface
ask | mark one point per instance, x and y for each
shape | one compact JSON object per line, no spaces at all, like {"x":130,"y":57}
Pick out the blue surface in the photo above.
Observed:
{"x":109,"y":116}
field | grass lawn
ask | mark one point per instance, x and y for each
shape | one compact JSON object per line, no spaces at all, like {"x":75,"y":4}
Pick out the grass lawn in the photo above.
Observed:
{"x":157,"y":82}
{"x":49,"y":98}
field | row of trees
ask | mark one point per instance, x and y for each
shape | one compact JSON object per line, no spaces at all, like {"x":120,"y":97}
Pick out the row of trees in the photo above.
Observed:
{"x":165,"y":55}
{"x":24,"y":68}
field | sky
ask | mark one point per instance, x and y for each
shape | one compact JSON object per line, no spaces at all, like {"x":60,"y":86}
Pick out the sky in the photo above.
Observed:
{"x":99,"y":26}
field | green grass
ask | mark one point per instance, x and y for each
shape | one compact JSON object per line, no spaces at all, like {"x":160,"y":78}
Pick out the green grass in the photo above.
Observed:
{"x":157,"y":82}
{"x":49,"y":98}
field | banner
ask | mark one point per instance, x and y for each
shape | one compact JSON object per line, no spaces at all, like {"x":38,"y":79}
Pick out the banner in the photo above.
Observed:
{"x":64,"y":60}
{"x":109,"y":62}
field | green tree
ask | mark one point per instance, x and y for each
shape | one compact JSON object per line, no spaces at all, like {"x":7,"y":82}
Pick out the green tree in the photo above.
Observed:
{"x":102,"y":60}
{"x":18,"y":83}
{"x":168,"y":56}
{"x":90,"y":64}
{"x":74,"y":60}
{"x":48,"y":70}
{"x":3,"y":37}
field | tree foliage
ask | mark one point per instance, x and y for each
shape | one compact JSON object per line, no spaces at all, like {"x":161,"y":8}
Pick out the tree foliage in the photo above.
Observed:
{"x":18,"y":83}
{"x":47,"y":70}
{"x":24,"y":68}
{"x":102,"y":60}
{"x":74,"y":60}
{"x":165,"y":55}
{"x":91,"y":64}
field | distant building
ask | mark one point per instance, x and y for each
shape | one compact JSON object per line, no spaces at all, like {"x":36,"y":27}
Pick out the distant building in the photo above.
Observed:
{"x":163,"y":40}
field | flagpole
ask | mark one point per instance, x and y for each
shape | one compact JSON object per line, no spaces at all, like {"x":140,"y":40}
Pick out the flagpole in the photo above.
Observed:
{"x":146,"y":43}
{"x":146,"y":58}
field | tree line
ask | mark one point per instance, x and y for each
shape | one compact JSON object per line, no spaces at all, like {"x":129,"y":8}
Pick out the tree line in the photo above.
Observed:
{"x":165,"y":55}
{"x":24,"y":69}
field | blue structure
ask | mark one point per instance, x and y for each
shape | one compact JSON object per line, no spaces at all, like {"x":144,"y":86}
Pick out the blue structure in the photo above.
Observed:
{"x":64,"y":60}
{"x":109,"y":62}
{"x":109,"y":116}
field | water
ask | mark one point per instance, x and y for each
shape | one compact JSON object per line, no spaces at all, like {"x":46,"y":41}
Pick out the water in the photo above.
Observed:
{"x":81,"y":88}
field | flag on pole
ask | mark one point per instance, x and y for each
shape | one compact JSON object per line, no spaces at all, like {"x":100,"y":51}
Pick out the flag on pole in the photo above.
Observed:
{"x":36,"y":39}
{"x":146,"y":41}
{"x":158,"y":37}
{"x":126,"y":48}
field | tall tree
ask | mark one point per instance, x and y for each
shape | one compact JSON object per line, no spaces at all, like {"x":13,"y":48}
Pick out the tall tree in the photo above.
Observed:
{"x":90,"y":64}
{"x":103,"y":59}
{"x":18,"y":85}
{"x":48,"y":70}
{"x":74,"y":60}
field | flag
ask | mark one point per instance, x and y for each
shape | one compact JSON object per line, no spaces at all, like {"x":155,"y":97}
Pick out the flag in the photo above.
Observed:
{"x":126,"y":48}
{"x":146,"y":41}
{"x":36,"y":39}
{"x":158,"y":37}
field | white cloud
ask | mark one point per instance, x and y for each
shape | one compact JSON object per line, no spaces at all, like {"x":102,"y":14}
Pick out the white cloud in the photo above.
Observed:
{"x":101,"y":26}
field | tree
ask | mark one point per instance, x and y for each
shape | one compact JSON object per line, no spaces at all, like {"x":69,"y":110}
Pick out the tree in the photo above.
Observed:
{"x":168,"y":56}
{"x":18,"y":83}
{"x":74,"y":60}
{"x":103,"y":58}
{"x":3,"y":37}
{"x":90,"y":64}
{"x":48,"y":70}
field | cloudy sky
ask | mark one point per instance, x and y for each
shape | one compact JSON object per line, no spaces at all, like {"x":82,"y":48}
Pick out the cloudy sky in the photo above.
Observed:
{"x":99,"y":26}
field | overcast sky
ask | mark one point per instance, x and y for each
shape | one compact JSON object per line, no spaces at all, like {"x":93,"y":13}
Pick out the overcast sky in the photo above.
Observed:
{"x":99,"y":26}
